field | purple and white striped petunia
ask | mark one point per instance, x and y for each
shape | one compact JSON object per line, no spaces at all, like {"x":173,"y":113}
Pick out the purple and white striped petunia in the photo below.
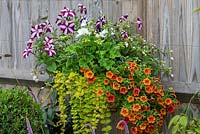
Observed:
{"x":82,"y":9}
{"x":124,"y":34}
{"x":27,"y":51}
{"x":123,"y":17}
{"x":59,"y":19}
{"x":49,"y":41}
{"x":36,"y":31}
{"x":66,"y":12}
{"x":67,"y":27}
{"x":139,"y":23}
{"x":47,"y":27}
{"x":100,"y":22}
{"x":49,"y":49}
{"x":83,"y":21}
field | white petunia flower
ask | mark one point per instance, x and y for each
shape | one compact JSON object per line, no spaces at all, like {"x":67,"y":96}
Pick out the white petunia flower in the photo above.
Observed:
{"x":82,"y":31}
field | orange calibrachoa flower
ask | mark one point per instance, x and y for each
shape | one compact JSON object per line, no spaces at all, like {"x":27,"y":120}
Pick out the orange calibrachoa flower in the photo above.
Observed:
{"x":139,"y":116}
{"x":136,"y":107}
{"x":135,"y":67}
{"x":147,"y":82}
{"x":110,"y":98}
{"x":81,"y":70}
{"x":100,"y":92}
{"x":143,"y":99}
{"x":143,"y":126}
{"x":134,"y":130}
{"x":91,"y":80}
{"x":130,"y":64}
{"x":160,"y":101}
{"x":163,"y":111}
{"x":149,"y":89}
{"x":114,"y":77}
{"x":130,"y":76}
{"x":147,"y":71}
{"x":136,"y":91}
{"x":160,"y":122}
{"x":119,"y":79}
{"x":106,"y":82}
{"x":109,"y":74}
{"x":120,"y":126}
{"x":151,"y":119}
{"x":168,"y":101}
{"x":132,"y":84}
{"x":116,"y":86}
{"x":131,"y":117}
{"x":89,"y":74}
{"x":123,"y":90}
{"x":124,"y":112}
{"x":130,"y":99}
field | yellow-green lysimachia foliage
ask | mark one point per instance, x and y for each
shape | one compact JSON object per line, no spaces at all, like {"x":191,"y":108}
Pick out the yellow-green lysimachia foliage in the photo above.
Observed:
{"x":86,"y":105}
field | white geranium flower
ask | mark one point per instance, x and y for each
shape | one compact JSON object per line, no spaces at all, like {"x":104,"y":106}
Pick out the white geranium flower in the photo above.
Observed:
{"x":84,"y":23}
{"x":103,"y":33}
{"x":82,"y":31}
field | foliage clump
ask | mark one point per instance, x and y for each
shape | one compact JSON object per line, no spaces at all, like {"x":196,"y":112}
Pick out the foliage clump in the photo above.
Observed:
{"x":15,"y":105}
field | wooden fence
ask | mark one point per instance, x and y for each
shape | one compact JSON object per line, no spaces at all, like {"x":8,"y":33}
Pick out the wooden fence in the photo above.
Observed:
{"x":167,"y":23}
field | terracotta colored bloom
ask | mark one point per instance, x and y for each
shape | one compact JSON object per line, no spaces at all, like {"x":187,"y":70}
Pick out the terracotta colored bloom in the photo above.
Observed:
{"x":120,"y":126}
{"x":89,"y":74}
{"x":163,"y":111}
{"x":91,"y":80}
{"x":123,"y":90}
{"x":147,"y":71}
{"x":81,"y":70}
{"x":106,"y":82}
{"x":134,"y":130}
{"x":147,"y":82}
{"x":136,"y":67}
{"x":130,"y":99}
{"x":130,"y":77}
{"x":143,"y":126}
{"x":119,"y":79}
{"x":132,"y":70}
{"x":116,"y":86}
{"x":131,"y":117}
{"x":143,"y":99}
{"x":136,"y":107}
{"x":160,"y":101}
{"x":149,"y":89}
{"x":100,"y":92}
{"x":110,"y":98}
{"x":161,"y":92}
{"x":168,"y":101}
{"x":136,"y":91}
{"x":139,"y":116}
{"x":130,"y":64}
{"x":114,"y":77}
{"x":109,"y":74}
{"x":160,"y":122}
{"x":124,"y":112}
{"x":151,"y":119}
{"x":132,"y":84}
{"x":170,"y":108}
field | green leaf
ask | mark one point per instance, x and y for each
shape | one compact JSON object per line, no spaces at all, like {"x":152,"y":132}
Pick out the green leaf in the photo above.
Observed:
{"x":197,"y":130}
{"x":52,"y":67}
{"x":183,"y":121}
{"x":174,"y":120}
{"x":196,"y":10}
{"x":175,"y":129}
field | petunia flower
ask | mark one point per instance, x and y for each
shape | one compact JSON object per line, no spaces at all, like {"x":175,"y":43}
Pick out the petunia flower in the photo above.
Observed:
{"x":48,"y":40}
{"x":82,"y":31}
{"x":124,"y":34}
{"x":83,"y":21}
{"x":66,"y":12}
{"x":36,"y":31}
{"x":27,"y":51}
{"x":49,"y":49}
{"x":123,"y":17}
{"x":67,"y":27}
{"x":100,"y":22}
{"x":139,"y":23}
{"x":82,"y":9}
{"x":46,"y":26}
{"x":59,"y":19}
